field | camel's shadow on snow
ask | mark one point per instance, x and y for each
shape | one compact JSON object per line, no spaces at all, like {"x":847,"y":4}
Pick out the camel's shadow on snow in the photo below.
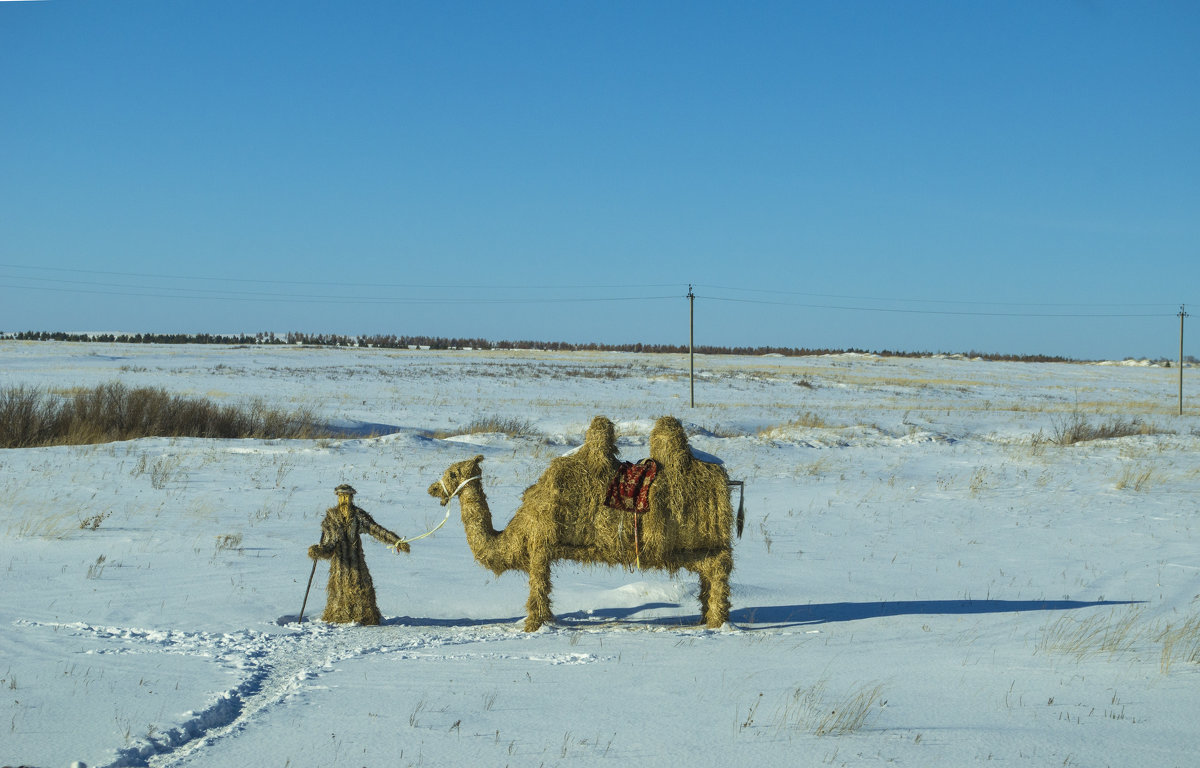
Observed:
{"x":781,"y":616}
{"x":826,"y":613}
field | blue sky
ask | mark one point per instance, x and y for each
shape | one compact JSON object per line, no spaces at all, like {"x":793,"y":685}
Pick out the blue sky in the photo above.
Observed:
{"x":923,"y":176}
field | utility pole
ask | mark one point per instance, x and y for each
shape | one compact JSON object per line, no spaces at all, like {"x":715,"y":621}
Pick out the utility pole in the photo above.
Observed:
{"x":1182,"y":314}
{"x":692,"y":343}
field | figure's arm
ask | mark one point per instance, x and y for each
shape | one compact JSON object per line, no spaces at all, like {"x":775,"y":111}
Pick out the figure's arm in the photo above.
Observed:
{"x":324,"y":550}
{"x":320,"y":552}
{"x":382,"y":534}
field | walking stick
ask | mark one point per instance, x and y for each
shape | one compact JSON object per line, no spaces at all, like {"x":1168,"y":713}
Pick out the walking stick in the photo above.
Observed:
{"x":310,"y":578}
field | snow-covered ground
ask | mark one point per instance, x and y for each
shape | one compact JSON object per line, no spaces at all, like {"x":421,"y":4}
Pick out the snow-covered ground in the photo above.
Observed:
{"x":925,"y":579}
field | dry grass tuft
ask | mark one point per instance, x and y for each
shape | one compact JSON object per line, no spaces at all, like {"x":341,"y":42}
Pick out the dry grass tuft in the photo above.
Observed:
{"x":1118,"y":634}
{"x":1110,"y":634}
{"x":34,"y":522}
{"x":1180,"y":643}
{"x":96,"y":569}
{"x":850,"y":714}
{"x":1135,"y":477}
{"x":511,"y":426}
{"x":229,"y":542}
{"x":1077,"y":428}
{"x":92,"y":522}
{"x":809,"y":709}
{"x":807,"y":420}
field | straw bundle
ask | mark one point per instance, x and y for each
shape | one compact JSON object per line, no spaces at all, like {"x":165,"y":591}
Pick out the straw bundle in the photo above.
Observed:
{"x":350,"y":594}
{"x":563,"y":517}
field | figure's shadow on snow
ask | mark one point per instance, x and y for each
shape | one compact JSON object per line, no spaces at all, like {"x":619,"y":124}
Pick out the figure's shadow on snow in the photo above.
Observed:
{"x":563,"y":620}
{"x":404,"y":621}
{"x":413,"y":621}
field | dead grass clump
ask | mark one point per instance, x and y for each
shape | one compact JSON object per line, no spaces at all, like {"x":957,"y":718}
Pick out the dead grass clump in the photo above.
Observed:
{"x":1077,"y":428}
{"x":810,"y":420}
{"x":810,"y":709}
{"x":512,"y":426}
{"x":110,"y":412}
{"x":851,"y":713}
{"x":1180,"y":643}
{"x":1110,"y":634}
{"x":35,"y":522}
{"x":229,"y":542}
{"x":92,"y":522}
{"x":1135,"y":477}
{"x":1117,"y":634}
{"x":96,"y":569}
{"x":807,"y":420}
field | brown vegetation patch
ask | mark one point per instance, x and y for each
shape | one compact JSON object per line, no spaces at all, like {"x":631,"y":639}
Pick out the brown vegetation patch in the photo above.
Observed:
{"x":1078,"y":428}
{"x":30,"y":417}
{"x":503,"y":425}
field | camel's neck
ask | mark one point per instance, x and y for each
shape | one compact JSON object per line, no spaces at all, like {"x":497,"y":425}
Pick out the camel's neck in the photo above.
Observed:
{"x":473,"y":503}
{"x":482,"y":538}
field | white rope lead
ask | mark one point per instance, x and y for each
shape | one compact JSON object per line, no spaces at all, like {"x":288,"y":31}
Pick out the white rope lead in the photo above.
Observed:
{"x":461,"y":485}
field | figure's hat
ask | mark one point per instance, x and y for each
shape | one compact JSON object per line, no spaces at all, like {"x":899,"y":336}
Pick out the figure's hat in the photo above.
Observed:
{"x":345,"y":488}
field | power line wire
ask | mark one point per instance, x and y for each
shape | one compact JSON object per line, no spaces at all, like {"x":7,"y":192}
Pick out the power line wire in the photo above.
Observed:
{"x":926,"y":301}
{"x":94,"y":287}
{"x":967,"y":313}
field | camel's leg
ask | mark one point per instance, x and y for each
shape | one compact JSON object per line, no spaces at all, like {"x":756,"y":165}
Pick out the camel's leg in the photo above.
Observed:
{"x":716,"y":570}
{"x":705,"y":589}
{"x":538,"y":606}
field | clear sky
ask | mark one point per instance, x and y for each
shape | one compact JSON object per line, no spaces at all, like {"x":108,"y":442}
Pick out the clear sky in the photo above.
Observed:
{"x":1010,"y":177}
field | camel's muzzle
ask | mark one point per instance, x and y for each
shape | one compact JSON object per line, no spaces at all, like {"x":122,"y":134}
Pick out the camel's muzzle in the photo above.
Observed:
{"x":436,"y":491}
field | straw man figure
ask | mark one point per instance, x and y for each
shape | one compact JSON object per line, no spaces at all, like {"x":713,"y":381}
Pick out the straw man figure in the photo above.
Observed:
{"x":350,"y":595}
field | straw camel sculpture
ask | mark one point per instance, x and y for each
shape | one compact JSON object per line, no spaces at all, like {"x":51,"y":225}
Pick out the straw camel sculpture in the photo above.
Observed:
{"x":687,"y":524}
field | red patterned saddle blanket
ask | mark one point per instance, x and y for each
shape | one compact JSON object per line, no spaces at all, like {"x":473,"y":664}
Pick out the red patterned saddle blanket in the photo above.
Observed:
{"x":630,"y":489}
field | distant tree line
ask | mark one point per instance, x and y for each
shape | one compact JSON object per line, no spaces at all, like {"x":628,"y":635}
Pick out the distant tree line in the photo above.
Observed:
{"x":144,"y":338}
{"x":393,"y":341}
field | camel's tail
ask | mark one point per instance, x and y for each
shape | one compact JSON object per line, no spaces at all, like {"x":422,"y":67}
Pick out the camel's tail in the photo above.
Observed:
{"x":741,"y":513}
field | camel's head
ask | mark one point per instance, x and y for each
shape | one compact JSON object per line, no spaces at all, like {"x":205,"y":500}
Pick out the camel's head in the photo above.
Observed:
{"x":454,"y":478}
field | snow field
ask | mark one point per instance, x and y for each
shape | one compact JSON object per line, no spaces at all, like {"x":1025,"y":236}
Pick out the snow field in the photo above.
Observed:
{"x":915,"y":558}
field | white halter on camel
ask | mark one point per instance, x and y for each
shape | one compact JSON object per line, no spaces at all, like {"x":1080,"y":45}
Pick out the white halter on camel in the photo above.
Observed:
{"x":461,"y":485}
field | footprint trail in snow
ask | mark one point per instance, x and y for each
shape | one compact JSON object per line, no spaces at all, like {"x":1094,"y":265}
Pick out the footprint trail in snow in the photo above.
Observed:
{"x":272,"y":667}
